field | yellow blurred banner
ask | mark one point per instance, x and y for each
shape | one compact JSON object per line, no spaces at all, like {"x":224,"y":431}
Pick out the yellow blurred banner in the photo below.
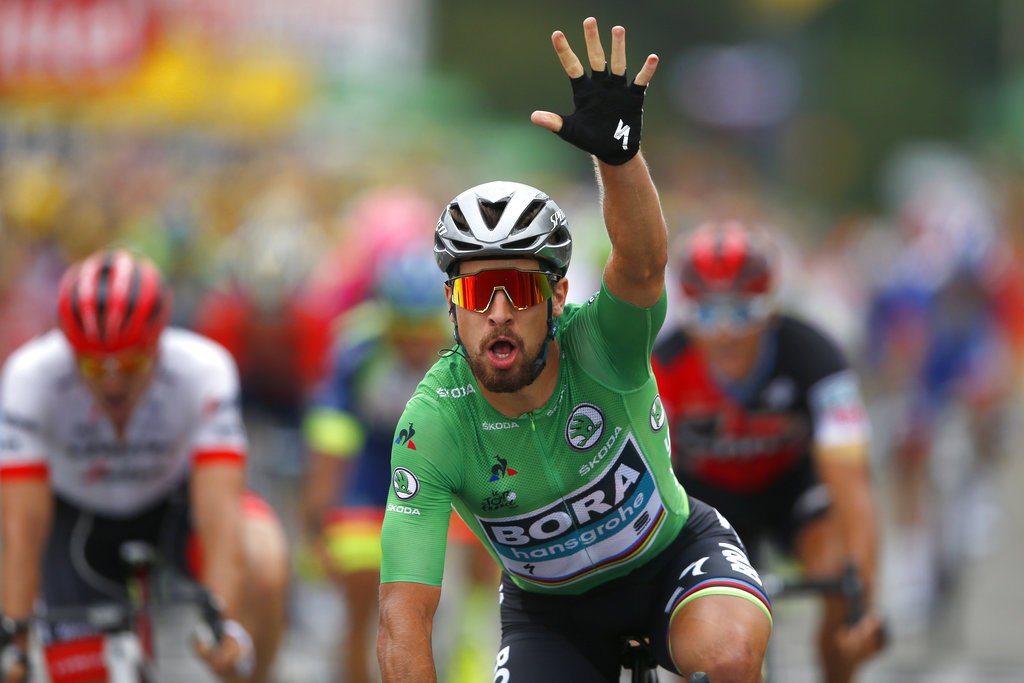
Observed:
{"x":187,"y":80}
{"x":115,"y":63}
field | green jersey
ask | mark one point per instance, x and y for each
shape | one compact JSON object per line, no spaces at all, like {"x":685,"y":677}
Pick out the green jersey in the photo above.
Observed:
{"x":566,"y":497}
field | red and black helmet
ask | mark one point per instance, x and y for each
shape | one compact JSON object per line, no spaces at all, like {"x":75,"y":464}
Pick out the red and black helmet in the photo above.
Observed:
{"x":726,"y":258}
{"x":111,"y":301}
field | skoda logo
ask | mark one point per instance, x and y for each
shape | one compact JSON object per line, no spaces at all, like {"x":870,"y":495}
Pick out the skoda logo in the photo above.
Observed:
{"x":657,"y":414}
{"x":405,"y":483}
{"x":585,"y":426}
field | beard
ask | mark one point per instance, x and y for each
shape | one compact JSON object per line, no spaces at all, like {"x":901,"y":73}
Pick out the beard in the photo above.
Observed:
{"x":502,"y":381}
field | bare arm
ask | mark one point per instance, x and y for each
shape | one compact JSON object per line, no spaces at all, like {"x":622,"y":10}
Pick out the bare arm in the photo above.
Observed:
{"x":632,"y":211}
{"x":27,"y":512}
{"x":404,"y":635}
{"x":217,"y":510}
{"x":635,"y":271}
{"x":844,"y":470}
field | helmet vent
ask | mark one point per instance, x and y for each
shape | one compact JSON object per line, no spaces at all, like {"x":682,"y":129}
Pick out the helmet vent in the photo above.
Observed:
{"x":523,"y":244}
{"x":560,"y":236}
{"x":492,"y":211}
{"x":526,"y":218}
{"x":459,"y":245}
{"x":155,"y":312}
{"x":459,"y":219}
{"x":133,"y":297}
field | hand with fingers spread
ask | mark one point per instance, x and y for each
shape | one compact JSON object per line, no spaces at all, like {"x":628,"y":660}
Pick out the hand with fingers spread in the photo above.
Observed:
{"x":609,"y":109}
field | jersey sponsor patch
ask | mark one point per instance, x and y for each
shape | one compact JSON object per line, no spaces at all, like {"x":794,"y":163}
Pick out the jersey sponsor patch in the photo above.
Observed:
{"x":584,"y":427}
{"x":405,"y":483}
{"x":456,"y":392}
{"x":404,"y":437}
{"x":608,"y":521}
{"x":500,"y":469}
{"x":25,"y":424}
{"x":657,"y":414}
{"x":839,"y":414}
{"x":403,"y":509}
{"x":497,"y":426}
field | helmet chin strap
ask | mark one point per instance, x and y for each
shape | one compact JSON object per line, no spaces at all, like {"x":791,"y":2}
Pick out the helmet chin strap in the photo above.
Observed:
{"x":541,"y":360}
{"x":444,"y":353}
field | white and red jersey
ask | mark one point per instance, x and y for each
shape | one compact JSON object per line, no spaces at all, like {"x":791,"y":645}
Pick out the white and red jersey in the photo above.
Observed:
{"x":52,"y":426}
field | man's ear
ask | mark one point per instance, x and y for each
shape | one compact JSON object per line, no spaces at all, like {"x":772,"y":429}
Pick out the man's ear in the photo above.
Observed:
{"x":560,"y":291}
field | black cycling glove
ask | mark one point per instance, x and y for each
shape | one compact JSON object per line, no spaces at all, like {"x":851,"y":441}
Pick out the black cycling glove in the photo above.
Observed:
{"x":608,"y":117}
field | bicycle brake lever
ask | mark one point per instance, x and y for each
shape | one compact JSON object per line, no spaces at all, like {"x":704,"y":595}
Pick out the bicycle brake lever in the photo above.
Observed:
{"x":212,"y":617}
{"x":853,"y":590}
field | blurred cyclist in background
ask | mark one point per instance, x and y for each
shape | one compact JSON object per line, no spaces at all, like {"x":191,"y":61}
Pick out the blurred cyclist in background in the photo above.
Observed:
{"x":264,"y":314}
{"x":939,"y":334}
{"x":767,"y":424}
{"x":387,"y":345}
{"x":118,"y":428}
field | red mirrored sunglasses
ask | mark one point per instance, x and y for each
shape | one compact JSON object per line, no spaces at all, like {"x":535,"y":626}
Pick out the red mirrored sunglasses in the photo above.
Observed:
{"x":524,"y":288}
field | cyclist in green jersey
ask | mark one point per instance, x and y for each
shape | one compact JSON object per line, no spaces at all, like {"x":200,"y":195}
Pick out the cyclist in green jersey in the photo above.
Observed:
{"x":545,"y":431}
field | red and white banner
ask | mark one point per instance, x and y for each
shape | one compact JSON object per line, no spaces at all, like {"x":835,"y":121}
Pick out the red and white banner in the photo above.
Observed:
{"x":71,"y":44}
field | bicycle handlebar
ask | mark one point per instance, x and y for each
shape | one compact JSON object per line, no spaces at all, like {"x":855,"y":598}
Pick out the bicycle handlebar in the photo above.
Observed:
{"x":848,"y":585}
{"x":115,"y":616}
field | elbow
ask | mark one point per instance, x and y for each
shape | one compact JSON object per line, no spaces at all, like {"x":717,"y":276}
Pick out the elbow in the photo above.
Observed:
{"x":657,"y":264}
{"x":648,"y":269}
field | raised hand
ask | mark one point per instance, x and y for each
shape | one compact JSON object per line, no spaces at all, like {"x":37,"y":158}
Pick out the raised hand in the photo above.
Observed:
{"x":609,"y":110}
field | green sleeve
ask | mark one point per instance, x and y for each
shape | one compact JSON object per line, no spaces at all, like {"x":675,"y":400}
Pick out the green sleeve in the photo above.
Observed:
{"x":614,"y":339}
{"x":423,"y":476}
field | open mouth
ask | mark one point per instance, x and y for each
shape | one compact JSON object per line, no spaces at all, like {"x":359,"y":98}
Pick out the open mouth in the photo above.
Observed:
{"x":502,"y":352}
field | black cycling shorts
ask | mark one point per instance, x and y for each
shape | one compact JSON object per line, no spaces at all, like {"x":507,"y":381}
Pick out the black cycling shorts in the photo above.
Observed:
{"x":579,"y":638}
{"x":82,"y":563}
{"x":776,"y":514}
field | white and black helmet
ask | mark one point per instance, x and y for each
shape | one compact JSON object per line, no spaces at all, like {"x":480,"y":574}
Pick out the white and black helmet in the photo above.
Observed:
{"x":503,"y":219}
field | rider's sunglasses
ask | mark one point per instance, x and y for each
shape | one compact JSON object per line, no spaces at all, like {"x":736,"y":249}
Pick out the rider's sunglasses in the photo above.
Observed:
{"x":121,"y":365}
{"x":729,"y":313}
{"x":524,"y":288}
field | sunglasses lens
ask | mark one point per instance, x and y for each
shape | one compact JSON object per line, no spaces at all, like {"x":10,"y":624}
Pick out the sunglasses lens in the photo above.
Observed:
{"x":474,"y":292}
{"x":729,"y":314}
{"x":94,"y":367}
